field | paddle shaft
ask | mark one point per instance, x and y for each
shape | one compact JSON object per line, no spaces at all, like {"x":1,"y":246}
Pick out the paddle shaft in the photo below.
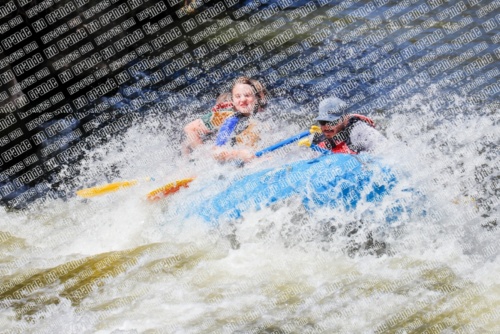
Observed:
{"x":283,"y":143}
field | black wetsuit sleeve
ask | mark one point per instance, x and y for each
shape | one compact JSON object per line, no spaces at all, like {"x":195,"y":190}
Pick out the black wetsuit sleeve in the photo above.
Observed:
{"x":353,"y":120}
{"x":318,"y":138}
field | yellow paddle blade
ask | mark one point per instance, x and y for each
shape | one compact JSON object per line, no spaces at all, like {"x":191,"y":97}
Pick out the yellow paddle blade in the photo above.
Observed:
{"x":105,"y":189}
{"x":315,"y":129}
{"x":305,"y":142}
{"x":168,"y":189}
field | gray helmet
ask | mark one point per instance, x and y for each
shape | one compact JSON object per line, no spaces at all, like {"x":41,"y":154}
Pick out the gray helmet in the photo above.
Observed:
{"x":331,"y":109}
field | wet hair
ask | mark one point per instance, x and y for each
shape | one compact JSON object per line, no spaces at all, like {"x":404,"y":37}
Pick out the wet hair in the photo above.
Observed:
{"x":259,"y":90}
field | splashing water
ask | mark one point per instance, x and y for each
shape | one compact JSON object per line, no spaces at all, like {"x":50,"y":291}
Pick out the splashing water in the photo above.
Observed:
{"x":119,"y":262}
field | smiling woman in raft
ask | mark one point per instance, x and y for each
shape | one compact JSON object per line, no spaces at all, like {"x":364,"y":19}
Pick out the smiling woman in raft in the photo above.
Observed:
{"x":232,"y":119}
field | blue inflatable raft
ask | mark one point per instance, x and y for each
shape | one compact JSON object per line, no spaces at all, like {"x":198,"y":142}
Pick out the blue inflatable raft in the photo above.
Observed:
{"x":329,"y":180}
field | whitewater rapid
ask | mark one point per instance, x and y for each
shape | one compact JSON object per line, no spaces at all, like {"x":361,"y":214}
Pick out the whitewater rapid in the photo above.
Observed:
{"x":120,"y":263}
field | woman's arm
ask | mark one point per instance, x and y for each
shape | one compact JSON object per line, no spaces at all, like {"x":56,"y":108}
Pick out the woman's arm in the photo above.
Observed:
{"x":194,"y":132}
{"x":222,"y":154}
{"x":205,"y":125}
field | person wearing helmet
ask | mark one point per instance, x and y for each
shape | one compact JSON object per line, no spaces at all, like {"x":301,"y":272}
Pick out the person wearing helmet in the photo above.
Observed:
{"x":337,"y":131}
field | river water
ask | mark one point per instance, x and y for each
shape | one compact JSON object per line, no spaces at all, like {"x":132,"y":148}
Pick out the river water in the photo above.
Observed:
{"x":121,"y":264}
